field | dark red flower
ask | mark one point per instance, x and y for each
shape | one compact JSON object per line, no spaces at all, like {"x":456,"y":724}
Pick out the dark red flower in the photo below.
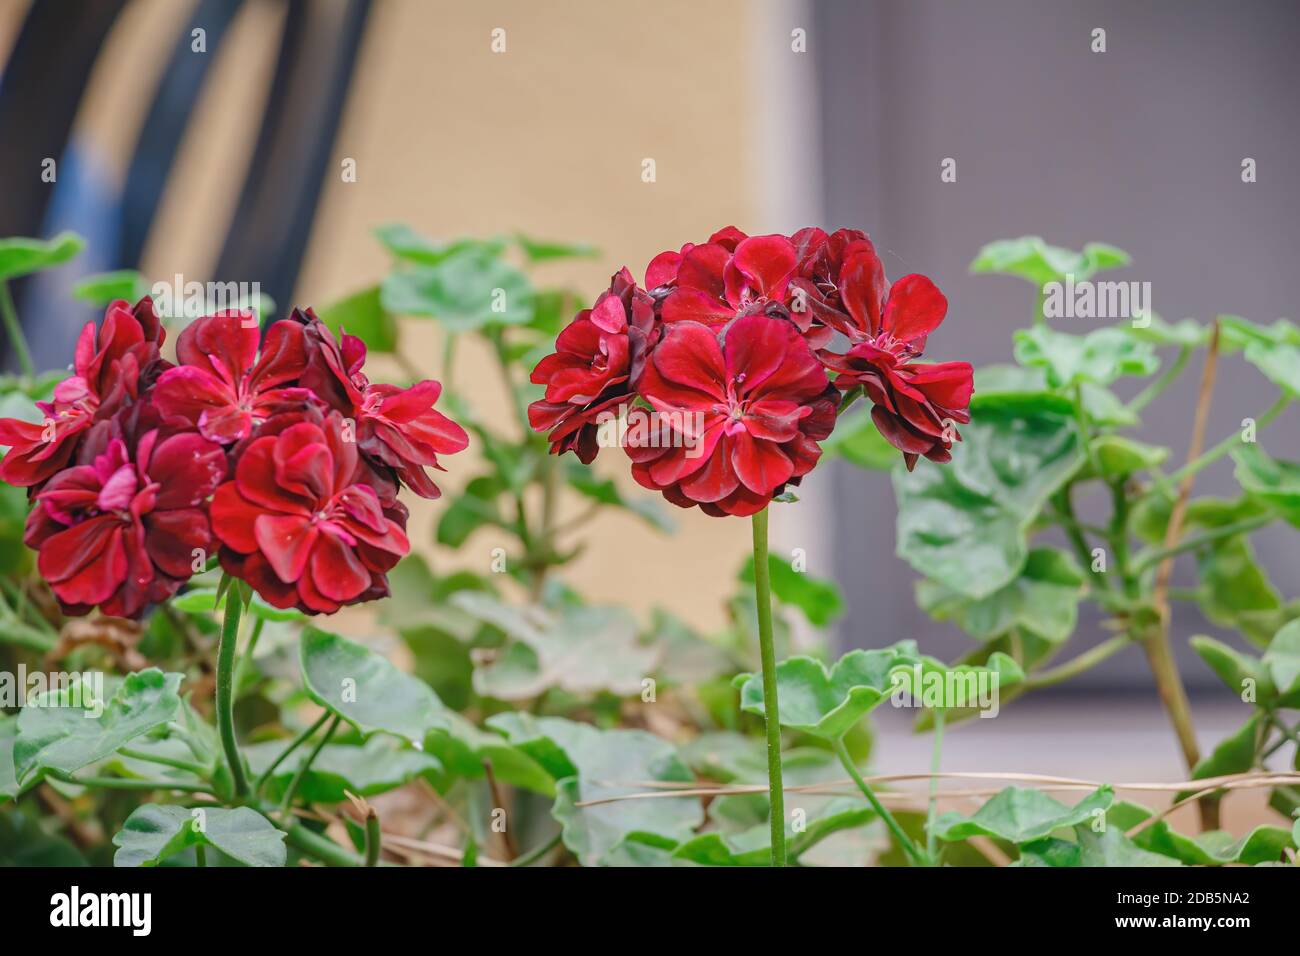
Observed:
{"x":123,"y":529}
{"x":744,"y":410}
{"x":730,"y":276}
{"x":397,"y":428}
{"x":222,"y":386}
{"x":597,"y":363}
{"x":916,"y":406}
{"x":113,"y":364}
{"x":301,"y":525}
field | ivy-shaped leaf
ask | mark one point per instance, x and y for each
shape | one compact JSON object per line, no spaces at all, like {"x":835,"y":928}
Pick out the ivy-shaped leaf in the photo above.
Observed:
{"x":1282,"y":658}
{"x":827,"y":703}
{"x":366,"y":690}
{"x":1270,"y":480}
{"x":965,"y":524}
{"x":1033,"y":260}
{"x":154,"y":832}
{"x":59,"y":731}
{"x":1019,"y":815}
{"x":20,"y":257}
{"x":376,"y":767}
{"x":592,"y":764}
{"x":1099,"y":357}
{"x":1042,"y":601}
{"x":582,"y":650}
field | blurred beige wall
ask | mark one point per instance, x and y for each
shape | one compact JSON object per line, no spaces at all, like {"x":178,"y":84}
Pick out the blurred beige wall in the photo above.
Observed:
{"x":548,"y":137}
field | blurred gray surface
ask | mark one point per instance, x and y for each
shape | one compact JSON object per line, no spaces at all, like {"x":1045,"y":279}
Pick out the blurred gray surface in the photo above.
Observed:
{"x":1140,"y":146}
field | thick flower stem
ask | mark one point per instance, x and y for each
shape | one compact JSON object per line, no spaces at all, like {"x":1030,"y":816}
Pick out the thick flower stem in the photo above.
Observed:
{"x":226,"y":691}
{"x":771,"y":714}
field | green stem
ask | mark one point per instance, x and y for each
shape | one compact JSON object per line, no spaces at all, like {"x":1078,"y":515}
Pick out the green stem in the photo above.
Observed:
{"x":200,"y":855}
{"x":535,"y":854}
{"x":1085,"y":430}
{"x":1074,"y":531}
{"x":1156,"y":388}
{"x":905,"y":841}
{"x":226,"y":690}
{"x":931,"y":841}
{"x":1229,"y":443}
{"x":1085,"y":661}
{"x":322,"y":848}
{"x":1155,"y":556}
{"x":374,"y":839}
{"x":287,"y":800}
{"x":128,"y":783}
{"x":771,"y":709}
{"x":851,"y":396}
{"x":14,"y":328}
{"x":175,"y":764}
{"x":297,"y":742}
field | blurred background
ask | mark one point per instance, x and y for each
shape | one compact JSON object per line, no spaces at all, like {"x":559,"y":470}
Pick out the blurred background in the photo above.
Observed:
{"x":226,"y":163}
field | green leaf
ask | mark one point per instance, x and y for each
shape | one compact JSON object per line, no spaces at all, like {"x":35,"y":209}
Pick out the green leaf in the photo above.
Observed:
{"x":1279,"y":363}
{"x":24,"y":843}
{"x":819,"y":598}
{"x":1100,"y":357}
{"x":58,"y":730}
{"x":1282,"y":658}
{"x":1271,"y":480}
{"x":1187,"y":333}
{"x":581,"y":650}
{"x":204,"y":601}
{"x":363,"y":315}
{"x":540,"y":250}
{"x":591,"y":764}
{"x":1030,"y":258}
{"x":1014,"y":388}
{"x":474,"y":508}
{"x":20,"y":257}
{"x":824,"y":703}
{"x":466,"y":751}
{"x":687,"y":657}
{"x":856,"y":439}
{"x":1043,"y":601}
{"x":376,"y":767}
{"x":467,"y":291}
{"x":1018,"y":815}
{"x":1119,"y":457}
{"x":366,"y":690}
{"x":1235,"y":592}
{"x":1234,"y":668}
{"x":405,"y":243}
{"x":8,"y":776}
{"x":1213,"y":848}
{"x":584,"y":481}
{"x":965,"y":524}
{"x":154,"y":832}
{"x":99,"y":290}
{"x":1234,"y":754}
{"x":1237,"y":333}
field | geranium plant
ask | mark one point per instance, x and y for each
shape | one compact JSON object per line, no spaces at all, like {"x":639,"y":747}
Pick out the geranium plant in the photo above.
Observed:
{"x":190,"y":527}
{"x":732,"y":351}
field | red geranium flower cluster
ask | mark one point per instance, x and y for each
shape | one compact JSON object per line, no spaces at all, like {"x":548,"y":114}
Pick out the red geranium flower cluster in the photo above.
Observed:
{"x":276,"y":450}
{"x":729,"y":353}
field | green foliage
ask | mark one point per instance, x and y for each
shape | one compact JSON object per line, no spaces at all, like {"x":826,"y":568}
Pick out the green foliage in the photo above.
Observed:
{"x":20,"y":257}
{"x":153,"y":833}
